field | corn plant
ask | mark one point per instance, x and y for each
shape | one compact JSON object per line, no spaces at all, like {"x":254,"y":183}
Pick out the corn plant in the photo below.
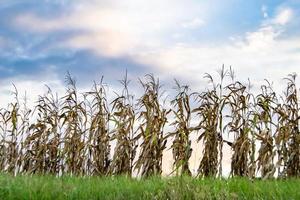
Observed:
{"x":41,"y":145}
{"x":239,"y":125}
{"x":16,"y":122}
{"x":73,"y":134}
{"x":11,"y":137}
{"x":73,"y":119}
{"x":287,"y":133}
{"x":207,"y":111}
{"x":210,"y":113}
{"x":123,"y":116}
{"x":153,"y":118}
{"x":263,"y":121}
{"x":5,"y":117}
{"x":182,"y":144}
{"x":99,"y":138}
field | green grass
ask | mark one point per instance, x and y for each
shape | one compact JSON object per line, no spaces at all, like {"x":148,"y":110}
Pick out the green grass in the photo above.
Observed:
{"x":49,"y":187}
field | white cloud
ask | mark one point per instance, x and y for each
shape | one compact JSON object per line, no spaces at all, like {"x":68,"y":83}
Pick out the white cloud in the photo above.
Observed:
{"x":259,"y":54}
{"x":116,"y":28}
{"x":260,"y":39}
{"x":194,"y":23}
{"x":140,"y":31}
{"x":32,"y":88}
{"x":32,"y":85}
{"x":36,"y":24}
{"x":284,"y":16}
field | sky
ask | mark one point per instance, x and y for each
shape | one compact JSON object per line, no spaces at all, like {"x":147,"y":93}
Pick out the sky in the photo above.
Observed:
{"x":40,"y":40}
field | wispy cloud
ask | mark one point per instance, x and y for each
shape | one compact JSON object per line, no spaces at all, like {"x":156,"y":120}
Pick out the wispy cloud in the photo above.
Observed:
{"x":168,"y":37}
{"x":194,"y":23}
{"x":115,"y":29}
{"x":262,"y":53}
{"x":284,"y":16}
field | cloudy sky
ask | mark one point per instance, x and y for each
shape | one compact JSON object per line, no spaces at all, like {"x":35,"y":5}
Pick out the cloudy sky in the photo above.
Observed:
{"x":40,"y":40}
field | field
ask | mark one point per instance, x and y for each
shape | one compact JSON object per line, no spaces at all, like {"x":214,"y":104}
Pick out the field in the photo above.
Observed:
{"x":114,"y":99}
{"x":102,"y":139}
{"x":121,"y":187}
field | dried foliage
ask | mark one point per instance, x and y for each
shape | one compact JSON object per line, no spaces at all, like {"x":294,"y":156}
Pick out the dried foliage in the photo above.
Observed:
{"x":99,"y":138}
{"x":210,"y":112}
{"x":41,"y":147}
{"x":263,"y":116}
{"x":73,"y":119}
{"x":123,"y":117}
{"x":239,"y":102}
{"x":182,"y":144}
{"x":89,"y":134}
{"x":153,"y":118}
{"x":287,"y":133}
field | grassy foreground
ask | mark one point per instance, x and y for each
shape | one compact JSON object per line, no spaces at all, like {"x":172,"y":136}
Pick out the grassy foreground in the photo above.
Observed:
{"x":49,"y":187}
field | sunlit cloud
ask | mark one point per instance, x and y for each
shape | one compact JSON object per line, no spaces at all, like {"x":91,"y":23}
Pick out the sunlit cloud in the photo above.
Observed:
{"x":158,"y":35}
{"x":263,"y":48}
{"x":116,"y":29}
{"x":284,"y":16}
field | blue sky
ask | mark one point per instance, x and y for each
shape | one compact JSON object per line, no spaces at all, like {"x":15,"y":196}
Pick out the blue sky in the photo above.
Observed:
{"x":40,"y":40}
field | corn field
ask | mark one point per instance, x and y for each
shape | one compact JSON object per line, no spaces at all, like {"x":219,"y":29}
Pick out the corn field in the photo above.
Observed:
{"x":87,"y":134}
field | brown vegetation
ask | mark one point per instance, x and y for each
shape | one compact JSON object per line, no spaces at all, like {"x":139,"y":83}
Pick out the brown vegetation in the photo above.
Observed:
{"x":85,"y":134}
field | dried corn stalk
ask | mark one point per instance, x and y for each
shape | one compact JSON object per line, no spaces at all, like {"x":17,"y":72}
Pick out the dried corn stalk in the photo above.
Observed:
{"x":153,"y":118}
{"x":182,"y":144}
{"x":123,"y":116}
{"x":73,"y":119}
{"x":98,"y":139}
{"x":210,"y":112}
{"x":239,"y":102}
{"x":263,"y":121}
{"x":287,"y":134}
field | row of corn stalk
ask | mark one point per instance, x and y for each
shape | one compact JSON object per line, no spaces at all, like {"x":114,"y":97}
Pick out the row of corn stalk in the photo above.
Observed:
{"x":86,"y":134}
